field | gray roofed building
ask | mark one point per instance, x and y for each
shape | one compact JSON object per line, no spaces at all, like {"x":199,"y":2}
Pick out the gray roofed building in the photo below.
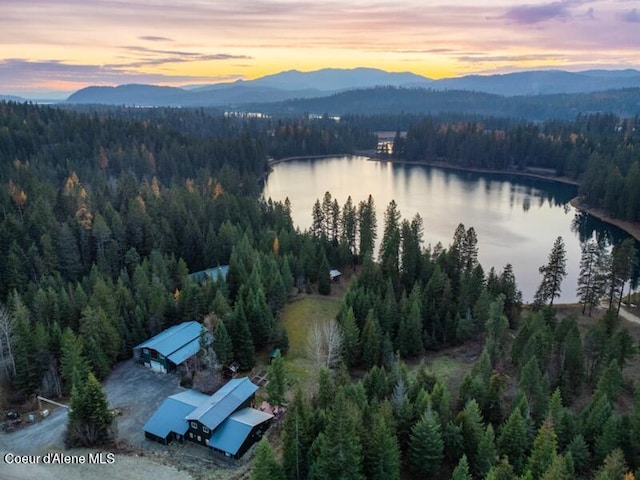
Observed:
{"x":224,"y":421}
{"x":221,"y":404}
{"x":168,"y":422}
{"x":238,"y":432}
{"x":171,"y":347}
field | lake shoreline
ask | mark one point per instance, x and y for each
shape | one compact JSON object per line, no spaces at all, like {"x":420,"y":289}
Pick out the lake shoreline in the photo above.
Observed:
{"x":632,"y":228}
{"x":448,"y":166}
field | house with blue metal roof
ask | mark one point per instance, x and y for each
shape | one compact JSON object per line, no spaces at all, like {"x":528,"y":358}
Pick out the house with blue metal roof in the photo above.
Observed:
{"x":224,"y":421}
{"x":168,"y":422}
{"x":170,"y":348}
{"x":238,"y":432}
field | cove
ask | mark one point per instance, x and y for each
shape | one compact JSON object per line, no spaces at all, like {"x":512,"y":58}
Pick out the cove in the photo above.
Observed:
{"x":516,"y":218}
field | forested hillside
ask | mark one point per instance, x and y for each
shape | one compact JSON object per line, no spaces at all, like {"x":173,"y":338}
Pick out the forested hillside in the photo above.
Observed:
{"x":425,"y":101}
{"x":602,"y":152}
{"x":104,"y":214}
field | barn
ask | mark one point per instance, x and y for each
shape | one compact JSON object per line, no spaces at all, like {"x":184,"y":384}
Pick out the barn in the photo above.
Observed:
{"x":225,"y":421}
{"x":170,"y":348}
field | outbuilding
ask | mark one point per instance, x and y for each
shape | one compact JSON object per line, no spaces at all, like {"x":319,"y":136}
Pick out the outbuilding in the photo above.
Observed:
{"x":170,"y":348}
{"x":216,"y":274}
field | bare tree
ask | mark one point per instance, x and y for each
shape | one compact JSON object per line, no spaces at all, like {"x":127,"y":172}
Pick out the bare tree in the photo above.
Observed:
{"x":324,"y":344}
{"x":7,"y":326}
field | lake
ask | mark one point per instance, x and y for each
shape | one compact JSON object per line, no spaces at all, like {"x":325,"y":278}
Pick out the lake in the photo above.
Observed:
{"x":517,"y":219}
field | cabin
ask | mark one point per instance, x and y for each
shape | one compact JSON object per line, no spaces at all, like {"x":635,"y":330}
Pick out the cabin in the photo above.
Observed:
{"x":170,"y":348}
{"x":335,"y":275}
{"x":216,"y":274}
{"x":225,"y":422}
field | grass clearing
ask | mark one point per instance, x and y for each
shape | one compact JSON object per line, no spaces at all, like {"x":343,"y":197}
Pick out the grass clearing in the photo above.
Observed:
{"x":298,"y":317}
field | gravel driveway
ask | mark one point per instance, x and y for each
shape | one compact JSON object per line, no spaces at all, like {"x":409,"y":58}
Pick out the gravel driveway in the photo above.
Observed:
{"x":133,"y":389}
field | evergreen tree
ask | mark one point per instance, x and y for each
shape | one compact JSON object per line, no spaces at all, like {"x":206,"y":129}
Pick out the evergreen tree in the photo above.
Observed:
{"x":243,"y":348}
{"x":367,"y":227}
{"x":265,"y":466}
{"x":72,"y":362}
{"x":349,"y":225}
{"x":296,"y":437}
{"x":513,"y":441}
{"x":496,"y":328}
{"x":426,"y":447}
{"x":552,"y":274}
{"x":350,"y":338}
{"x":371,"y":341}
{"x":339,"y":447}
{"x":544,"y":452}
{"x":390,"y":246}
{"x":579,"y":452}
{"x":222,"y":343}
{"x":461,"y":472}
{"x":410,"y":330}
{"x":383,"y":452}
{"x":559,"y":469}
{"x":613,"y":467}
{"x":472,"y":428}
{"x":324,"y":276}
{"x":624,"y":258}
{"x":277,"y":386}
{"x":89,"y":417}
{"x":486,"y":456}
{"x":591,"y":279}
{"x":502,"y":471}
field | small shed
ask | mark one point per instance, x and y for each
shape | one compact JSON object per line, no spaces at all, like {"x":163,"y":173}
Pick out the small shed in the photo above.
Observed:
{"x":170,"y":348}
{"x":334,"y":274}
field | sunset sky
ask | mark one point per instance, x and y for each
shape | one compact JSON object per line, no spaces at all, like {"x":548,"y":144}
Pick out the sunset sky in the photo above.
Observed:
{"x":53,"y":45}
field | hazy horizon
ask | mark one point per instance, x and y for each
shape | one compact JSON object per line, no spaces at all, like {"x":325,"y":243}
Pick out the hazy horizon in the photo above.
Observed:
{"x":55,"y":47}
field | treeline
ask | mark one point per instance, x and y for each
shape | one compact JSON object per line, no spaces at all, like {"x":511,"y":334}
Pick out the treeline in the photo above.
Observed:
{"x":425,"y":101}
{"x":601,"y":151}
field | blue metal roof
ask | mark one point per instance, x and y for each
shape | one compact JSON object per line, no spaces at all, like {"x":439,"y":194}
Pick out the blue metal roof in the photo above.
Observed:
{"x":214,"y":273}
{"x":173,"y":340}
{"x":170,"y":417}
{"x":188,"y":351}
{"x":224,"y":402}
{"x":230,"y":436}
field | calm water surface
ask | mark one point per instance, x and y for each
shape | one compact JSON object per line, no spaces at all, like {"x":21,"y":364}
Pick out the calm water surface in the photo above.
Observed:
{"x":517,"y":219}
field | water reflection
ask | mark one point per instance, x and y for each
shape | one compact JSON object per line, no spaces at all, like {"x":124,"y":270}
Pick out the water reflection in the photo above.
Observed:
{"x":517,"y":219}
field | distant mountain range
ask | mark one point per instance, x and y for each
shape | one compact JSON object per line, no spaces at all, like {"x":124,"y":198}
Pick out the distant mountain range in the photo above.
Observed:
{"x":293,"y":84}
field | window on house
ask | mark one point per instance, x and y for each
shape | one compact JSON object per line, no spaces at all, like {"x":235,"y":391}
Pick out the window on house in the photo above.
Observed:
{"x":199,"y":438}
{"x":194,"y":425}
{"x":205,"y":430}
